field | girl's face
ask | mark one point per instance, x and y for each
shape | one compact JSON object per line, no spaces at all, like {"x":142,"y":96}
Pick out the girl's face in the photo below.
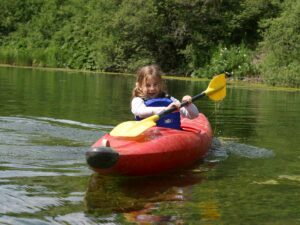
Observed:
{"x":151,"y":88}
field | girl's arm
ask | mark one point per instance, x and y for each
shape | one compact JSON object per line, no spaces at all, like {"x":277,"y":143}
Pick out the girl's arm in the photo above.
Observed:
{"x":138,"y":108}
{"x":189,"y":111}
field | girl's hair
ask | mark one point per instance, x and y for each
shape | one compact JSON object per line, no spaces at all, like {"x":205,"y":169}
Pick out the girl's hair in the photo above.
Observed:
{"x":145,"y":73}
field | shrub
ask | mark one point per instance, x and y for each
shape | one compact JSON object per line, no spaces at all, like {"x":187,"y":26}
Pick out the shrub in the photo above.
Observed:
{"x":235,"y":60}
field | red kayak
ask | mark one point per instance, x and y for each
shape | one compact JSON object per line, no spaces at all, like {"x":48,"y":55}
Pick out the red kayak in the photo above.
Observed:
{"x":158,"y":150}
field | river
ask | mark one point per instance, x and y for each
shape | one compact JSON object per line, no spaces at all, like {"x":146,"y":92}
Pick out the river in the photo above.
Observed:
{"x":48,"y":120}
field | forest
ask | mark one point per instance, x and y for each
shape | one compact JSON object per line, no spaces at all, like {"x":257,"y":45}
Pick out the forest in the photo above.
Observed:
{"x":255,"y":40}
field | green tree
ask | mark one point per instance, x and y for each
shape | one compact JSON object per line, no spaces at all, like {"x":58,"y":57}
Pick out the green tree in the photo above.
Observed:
{"x":127,"y":36}
{"x":15,"y":13}
{"x":280,"y":49}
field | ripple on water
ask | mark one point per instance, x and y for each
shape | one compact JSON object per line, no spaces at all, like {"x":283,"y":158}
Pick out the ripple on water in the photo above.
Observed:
{"x":16,"y":199}
{"x":72,"y":218}
{"x":44,"y":146}
{"x":247,"y":151}
{"x":26,"y":131}
{"x":220,"y":151}
{"x":39,"y":157}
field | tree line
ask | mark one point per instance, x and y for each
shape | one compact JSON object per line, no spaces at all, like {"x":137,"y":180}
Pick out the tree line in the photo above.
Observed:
{"x":247,"y":38}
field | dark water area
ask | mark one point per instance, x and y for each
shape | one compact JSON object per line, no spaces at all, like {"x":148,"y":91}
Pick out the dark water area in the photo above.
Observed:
{"x":49,"y":119}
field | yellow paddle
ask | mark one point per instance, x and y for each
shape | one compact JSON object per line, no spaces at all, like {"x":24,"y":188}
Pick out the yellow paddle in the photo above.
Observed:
{"x":216,"y":91}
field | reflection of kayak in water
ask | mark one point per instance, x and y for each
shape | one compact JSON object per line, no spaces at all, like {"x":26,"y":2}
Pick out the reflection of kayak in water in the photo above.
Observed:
{"x":143,"y":200}
{"x":145,"y":216}
{"x":156,"y":151}
{"x":106,"y":195}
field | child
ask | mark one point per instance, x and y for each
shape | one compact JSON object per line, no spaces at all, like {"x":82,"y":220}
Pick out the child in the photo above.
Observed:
{"x":149,"y":97}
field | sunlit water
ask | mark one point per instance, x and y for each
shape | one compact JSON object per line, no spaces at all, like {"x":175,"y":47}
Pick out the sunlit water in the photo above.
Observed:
{"x":49,"y":119}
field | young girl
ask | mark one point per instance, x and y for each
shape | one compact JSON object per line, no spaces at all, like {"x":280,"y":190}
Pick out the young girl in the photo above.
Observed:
{"x":149,"y":97}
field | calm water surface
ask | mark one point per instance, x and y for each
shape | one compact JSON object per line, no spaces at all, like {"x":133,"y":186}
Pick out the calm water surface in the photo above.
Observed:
{"x":49,"y":119}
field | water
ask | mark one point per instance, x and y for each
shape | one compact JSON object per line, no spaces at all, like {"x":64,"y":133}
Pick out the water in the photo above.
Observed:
{"x":49,"y":119}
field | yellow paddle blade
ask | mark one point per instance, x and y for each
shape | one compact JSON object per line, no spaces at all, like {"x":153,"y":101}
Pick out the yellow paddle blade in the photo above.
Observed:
{"x":216,"y":89}
{"x":134,"y":128}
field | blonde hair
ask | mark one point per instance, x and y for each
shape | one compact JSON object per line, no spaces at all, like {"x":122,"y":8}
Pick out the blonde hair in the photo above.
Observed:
{"x":145,"y":73}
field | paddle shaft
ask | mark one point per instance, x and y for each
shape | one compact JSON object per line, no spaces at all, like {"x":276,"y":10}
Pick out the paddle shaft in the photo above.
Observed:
{"x":194,"y":98}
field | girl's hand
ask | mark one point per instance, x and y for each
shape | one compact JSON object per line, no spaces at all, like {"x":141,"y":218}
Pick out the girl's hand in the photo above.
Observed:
{"x":187,"y":98}
{"x":173,"y":105}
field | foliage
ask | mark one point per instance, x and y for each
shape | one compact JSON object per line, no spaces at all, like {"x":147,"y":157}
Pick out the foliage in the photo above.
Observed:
{"x":281,"y":47}
{"x":130,"y":34}
{"x":235,"y":60}
{"x":15,"y":13}
{"x":183,"y":36}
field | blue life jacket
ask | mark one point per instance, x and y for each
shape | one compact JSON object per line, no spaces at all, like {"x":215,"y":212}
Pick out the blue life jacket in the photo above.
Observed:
{"x":172,"y":120}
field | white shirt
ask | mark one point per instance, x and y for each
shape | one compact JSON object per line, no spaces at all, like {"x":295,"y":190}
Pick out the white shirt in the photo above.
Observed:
{"x":138,"y":108}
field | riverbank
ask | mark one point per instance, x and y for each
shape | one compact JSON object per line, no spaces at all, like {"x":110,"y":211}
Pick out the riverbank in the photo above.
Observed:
{"x":246,"y":83}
